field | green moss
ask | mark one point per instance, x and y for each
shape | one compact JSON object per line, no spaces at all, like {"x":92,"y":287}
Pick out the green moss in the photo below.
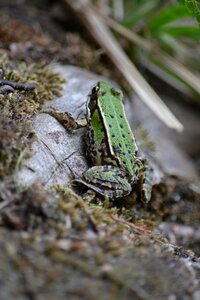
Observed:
{"x":17,"y":109}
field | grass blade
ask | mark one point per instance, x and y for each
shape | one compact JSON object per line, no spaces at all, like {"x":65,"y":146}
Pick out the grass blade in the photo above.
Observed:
{"x":167,"y":16}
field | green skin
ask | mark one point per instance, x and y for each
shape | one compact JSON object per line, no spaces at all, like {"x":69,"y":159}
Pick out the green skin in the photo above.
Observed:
{"x":112,"y":147}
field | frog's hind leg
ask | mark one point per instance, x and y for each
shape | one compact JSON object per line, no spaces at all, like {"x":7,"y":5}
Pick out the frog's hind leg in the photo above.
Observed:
{"x":106,"y":180}
{"x":145,"y":173}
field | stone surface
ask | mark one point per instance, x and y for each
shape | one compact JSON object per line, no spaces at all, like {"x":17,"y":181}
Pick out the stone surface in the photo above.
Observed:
{"x":57,"y":155}
{"x":171,"y":147}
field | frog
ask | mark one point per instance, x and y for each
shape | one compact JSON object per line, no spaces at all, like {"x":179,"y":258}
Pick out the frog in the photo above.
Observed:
{"x":111,"y":147}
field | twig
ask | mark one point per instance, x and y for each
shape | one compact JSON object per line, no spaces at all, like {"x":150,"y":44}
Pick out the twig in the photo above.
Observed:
{"x":18,"y":85}
{"x":139,"y":229}
{"x":8,"y":86}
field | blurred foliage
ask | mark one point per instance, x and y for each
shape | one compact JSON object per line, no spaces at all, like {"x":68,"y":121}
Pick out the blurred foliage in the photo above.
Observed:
{"x":194,"y":8}
{"x":171,"y":29}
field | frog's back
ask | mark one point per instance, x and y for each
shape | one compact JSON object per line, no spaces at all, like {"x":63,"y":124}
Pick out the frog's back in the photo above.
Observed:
{"x":118,"y":130}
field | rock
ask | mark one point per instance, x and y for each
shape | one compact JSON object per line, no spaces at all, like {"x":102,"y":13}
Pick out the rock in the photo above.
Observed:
{"x":169,"y":145}
{"x":56,"y":153}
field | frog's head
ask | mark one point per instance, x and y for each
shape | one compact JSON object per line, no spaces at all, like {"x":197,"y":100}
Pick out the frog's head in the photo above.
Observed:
{"x":103,"y":88}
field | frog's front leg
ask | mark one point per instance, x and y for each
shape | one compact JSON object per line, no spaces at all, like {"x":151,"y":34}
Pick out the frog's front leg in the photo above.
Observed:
{"x":67,"y":120}
{"x":106,"y":180}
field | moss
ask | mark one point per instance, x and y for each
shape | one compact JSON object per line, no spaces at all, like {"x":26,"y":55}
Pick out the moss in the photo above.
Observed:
{"x":18,"y":109}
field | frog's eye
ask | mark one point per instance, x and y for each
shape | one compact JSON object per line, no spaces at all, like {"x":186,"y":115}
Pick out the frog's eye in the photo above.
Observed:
{"x":117,"y":92}
{"x":95,"y":89}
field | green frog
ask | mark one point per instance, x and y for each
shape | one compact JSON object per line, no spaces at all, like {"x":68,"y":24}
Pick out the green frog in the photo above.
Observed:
{"x":111,"y":146}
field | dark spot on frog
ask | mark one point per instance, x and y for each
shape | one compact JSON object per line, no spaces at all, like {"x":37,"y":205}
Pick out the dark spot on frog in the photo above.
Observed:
{"x":119,"y":151}
{"x":123,"y":135}
{"x":121,"y":116}
{"x":120,"y":145}
{"x":112,"y":116}
{"x":121,"y":126}
{"x":110,"y":125}
{"x":124,"y":162}
{"x":102,"y":93}
{"x":113,"y":135}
